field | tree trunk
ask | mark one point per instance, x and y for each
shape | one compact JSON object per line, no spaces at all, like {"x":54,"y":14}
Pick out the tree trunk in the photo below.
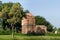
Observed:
{"x":12,"y":31}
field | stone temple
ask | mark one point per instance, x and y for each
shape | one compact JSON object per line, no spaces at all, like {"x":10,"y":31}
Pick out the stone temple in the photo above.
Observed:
{"x":28,"y":24}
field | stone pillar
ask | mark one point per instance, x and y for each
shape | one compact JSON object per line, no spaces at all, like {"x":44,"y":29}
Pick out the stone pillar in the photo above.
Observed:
{"x":24,"y":26}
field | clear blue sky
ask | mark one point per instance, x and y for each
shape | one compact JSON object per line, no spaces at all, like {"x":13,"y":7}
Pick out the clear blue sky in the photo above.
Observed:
{"x":49,"y":9}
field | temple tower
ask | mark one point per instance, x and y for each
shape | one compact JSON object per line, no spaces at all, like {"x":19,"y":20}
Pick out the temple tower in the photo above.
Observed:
{"x":28,"y":23}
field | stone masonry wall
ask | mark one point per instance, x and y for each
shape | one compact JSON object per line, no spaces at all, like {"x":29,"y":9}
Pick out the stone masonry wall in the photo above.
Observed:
{"x":28,"y":23}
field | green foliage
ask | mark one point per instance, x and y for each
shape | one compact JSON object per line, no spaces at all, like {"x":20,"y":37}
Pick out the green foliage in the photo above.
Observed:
{"x":3,"y":32}
{"x":11,"y":13}
{"x":52,"y":34}
{"x":0,"y":5}
{"x":5,"y":12}
{"x":15,"y":13}
{"x":42,"y":21}
{"x":26,"y":11}
{"x":58,"y":30}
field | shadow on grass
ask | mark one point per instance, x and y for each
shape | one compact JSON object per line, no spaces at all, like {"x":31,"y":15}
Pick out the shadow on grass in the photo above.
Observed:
{"x":20,"y":34}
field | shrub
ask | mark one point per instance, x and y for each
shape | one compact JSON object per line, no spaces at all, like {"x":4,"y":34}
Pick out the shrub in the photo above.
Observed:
{"x":41,"y":32}
{"x":7,"y":32}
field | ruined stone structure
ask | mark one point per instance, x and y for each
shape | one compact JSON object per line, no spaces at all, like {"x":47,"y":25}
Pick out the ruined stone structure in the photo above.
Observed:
{"x":28,"y":23}
{"x":42,"y":27}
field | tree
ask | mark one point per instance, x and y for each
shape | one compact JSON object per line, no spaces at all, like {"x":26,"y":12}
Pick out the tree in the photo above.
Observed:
{"x":12,"y":15}
{"x":4,"y":16}
{"x":11,"y":12}
{"x":42,"y":21}
{"x":26,"y":11}
{"x":16,"y":14}
{"x":0,"y":5}
{"x":58,"y":29}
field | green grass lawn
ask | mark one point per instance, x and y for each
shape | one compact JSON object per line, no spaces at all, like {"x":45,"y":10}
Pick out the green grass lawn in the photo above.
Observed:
{"x":19,"y":37}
